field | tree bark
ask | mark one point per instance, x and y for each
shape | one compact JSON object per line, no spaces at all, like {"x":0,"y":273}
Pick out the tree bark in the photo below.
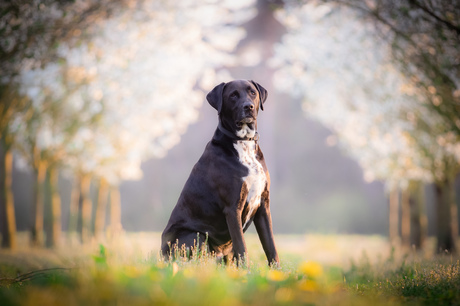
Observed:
{"x":101,"y":207}
{"x":75,"y":197}
{"x":8,"y":219}
{"x":405,"y":217}
{"x":37,"y":232}
{"x":445,"y":205}
{"x":454,"y":216}
{"x":418,"y":217}
{"x":86,"y":208}
{"x":115,"y":212}
{"x":394,"y":216}
{"x":54,"y":237}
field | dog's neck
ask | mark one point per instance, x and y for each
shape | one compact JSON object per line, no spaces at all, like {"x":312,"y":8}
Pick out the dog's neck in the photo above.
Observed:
{"x":233,"y":135}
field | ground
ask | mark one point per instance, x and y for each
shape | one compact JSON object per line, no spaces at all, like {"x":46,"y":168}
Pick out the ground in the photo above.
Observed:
{"x":315,"y":270}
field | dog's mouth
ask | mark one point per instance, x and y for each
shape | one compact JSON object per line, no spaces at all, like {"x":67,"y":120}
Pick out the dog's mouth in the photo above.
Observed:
{"x":244,"y":121}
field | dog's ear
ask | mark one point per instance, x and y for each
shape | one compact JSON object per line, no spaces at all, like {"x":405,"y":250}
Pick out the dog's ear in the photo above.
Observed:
{"x":214,"y":97}
{"x":262,"y":94}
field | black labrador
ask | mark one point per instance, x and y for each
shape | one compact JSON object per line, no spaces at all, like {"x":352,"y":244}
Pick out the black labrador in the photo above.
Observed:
{"x":228,"y":188}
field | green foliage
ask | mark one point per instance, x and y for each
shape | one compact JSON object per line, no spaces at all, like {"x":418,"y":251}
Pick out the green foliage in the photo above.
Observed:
{"x":200,"y":279}
{"x":110,"y":275}
{"x":101,"y":258}
{"x":430,"y":282}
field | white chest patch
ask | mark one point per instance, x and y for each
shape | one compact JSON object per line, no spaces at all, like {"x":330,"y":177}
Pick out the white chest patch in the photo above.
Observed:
{"x":256,"y":179}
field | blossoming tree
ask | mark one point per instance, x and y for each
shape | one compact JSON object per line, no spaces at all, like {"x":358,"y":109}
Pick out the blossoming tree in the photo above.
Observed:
{"x":424,"y":39}
{"x":348,"y":81}
{"x":128,"y":90}
{"x":30,"y":30}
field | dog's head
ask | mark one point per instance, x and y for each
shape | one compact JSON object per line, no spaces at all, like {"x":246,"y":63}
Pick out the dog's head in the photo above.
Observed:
{"x":237,"y":103}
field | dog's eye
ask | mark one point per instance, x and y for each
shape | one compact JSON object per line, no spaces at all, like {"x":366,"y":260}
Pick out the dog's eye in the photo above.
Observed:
{"x":233,"y":95}
{"x":253,"y":92}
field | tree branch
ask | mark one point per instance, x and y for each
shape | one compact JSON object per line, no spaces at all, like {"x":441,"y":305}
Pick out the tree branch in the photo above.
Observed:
{"x":432,"y":14}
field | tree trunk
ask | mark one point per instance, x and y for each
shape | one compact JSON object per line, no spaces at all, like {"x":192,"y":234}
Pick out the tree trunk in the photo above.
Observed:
{"x":101,"y":207}
{"x":53,"y":239}
{"x":86,"y":208}
{"x":37,"y":233}
{"x":405,"y":217}
{"x":445,"y":202}
{"x":418,"y":217}
{"x":394,"y":216}
{"x":75,"y":197}
{"x":8,"y":220}
{"x":454,"y":217}
{"x":115,"y":212}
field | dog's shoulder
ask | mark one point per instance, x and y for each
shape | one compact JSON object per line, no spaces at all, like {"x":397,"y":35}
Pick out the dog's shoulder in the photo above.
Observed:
{"x":218,"y":160}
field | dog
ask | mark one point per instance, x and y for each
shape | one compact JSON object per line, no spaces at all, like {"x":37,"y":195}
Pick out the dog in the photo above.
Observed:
{"x":228,"y":188}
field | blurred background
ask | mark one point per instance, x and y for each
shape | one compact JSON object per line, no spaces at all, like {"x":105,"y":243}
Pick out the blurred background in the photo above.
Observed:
{"x":103,"y":113}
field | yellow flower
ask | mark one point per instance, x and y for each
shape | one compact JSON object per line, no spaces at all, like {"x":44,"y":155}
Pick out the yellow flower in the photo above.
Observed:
{"x":308,"y":285}
{"x":311,"y":269}
{"x":276,"y":275}
{"x":236,"y":273}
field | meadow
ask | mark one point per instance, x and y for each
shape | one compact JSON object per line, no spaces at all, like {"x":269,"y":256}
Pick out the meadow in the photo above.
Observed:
{"x":315,"y":270}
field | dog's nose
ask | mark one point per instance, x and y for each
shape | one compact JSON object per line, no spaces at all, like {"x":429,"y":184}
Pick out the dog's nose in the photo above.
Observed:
{"x":248,"y":106}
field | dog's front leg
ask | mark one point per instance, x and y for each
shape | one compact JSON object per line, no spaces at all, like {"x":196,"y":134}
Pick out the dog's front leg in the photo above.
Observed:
{"x":235,"y":228}
{"x":263,"y":223}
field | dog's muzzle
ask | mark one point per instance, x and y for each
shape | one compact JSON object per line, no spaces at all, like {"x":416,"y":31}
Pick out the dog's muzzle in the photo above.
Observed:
{"x":247,"y":120}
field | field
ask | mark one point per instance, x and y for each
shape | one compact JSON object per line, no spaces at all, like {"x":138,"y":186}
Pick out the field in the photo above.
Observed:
{"x":315,"y":270}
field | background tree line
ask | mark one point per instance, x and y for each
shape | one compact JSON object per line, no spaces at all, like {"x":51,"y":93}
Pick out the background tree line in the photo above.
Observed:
{"x":75,"y":99}
{"x":398,"y":118}
{"x":88,"y":92}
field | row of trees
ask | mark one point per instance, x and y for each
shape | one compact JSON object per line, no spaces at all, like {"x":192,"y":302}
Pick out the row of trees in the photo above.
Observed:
{"x":91,"y":89}
{"x":385,"y":77}
{"x":30,"y":32}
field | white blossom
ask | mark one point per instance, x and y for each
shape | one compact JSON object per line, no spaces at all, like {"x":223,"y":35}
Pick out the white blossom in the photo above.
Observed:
{"x":344,"y":75}
{"x":142,"y":71}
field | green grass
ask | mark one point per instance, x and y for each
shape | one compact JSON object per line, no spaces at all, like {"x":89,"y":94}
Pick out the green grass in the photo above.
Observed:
{"x":315,"y":270}
{"x":433,"y":281}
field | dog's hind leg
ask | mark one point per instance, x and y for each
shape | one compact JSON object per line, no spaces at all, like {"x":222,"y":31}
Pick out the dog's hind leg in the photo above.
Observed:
{"x":228,"y":258}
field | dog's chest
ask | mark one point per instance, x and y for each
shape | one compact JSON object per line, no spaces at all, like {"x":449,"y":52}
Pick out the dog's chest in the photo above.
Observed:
{"x":255,"y":180}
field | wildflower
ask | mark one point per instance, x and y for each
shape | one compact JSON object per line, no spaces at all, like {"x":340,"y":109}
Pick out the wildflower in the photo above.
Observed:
{"x":236,"y":273}
{"x":308,"y":285}
{"x":311,"y":269}
{"x":276,"y":275}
